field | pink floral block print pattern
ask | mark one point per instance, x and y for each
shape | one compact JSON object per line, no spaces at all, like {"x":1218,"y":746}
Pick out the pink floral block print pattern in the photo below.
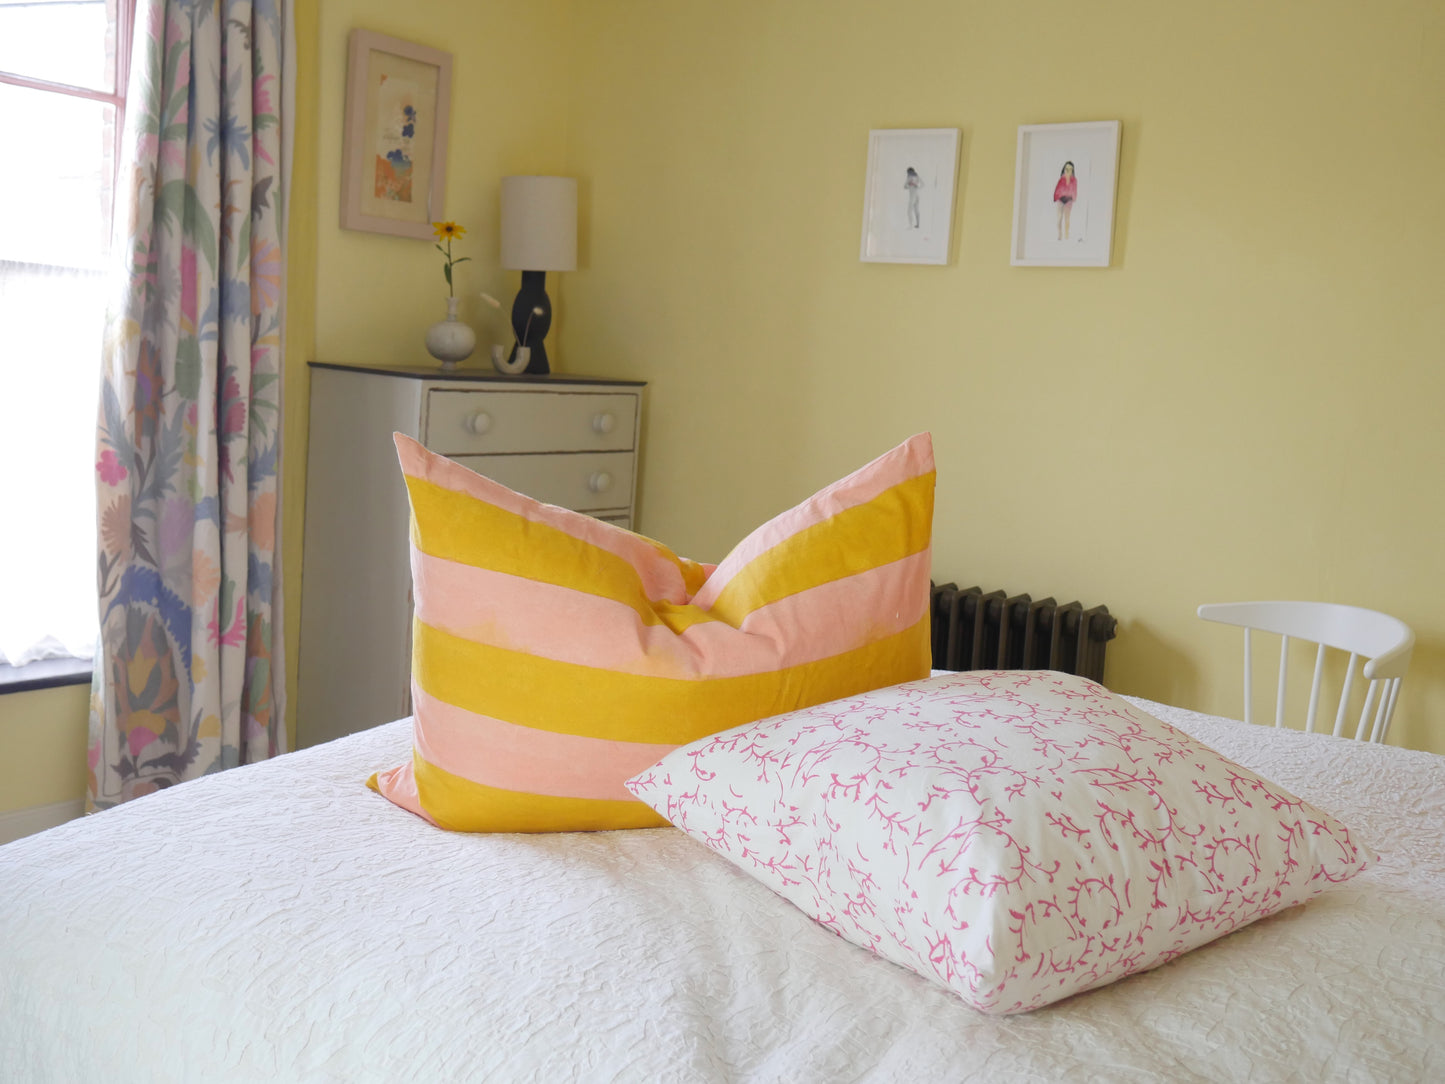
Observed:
{"x":1018,"y":836}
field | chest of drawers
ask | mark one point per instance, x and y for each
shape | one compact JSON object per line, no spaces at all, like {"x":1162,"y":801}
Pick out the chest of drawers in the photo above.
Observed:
{"x":564,"y":440}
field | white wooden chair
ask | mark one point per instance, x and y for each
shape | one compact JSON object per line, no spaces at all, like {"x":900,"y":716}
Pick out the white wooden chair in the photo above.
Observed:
{"x":1384,"y":642}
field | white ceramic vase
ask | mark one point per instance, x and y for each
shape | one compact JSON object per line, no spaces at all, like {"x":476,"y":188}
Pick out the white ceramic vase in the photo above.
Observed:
{"x":450,"y":340}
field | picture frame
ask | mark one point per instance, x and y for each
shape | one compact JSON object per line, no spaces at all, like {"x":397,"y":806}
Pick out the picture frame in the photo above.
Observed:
{"x":908,"y":197}
{"x":1058,"y":224}
{"x":394,"y":143}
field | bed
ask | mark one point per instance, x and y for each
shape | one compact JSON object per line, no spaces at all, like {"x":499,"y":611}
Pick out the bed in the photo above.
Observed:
{"x":282,"y":922}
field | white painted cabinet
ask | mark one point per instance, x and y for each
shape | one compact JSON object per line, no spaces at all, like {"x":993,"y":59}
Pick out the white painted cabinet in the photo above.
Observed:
{"x":565,"y":440}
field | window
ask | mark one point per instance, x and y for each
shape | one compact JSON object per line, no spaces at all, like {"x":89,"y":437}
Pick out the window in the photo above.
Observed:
{"x":63,"y":66}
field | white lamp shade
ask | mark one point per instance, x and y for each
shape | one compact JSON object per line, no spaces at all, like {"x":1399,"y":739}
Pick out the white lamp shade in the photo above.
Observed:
{"x":539,"y":223}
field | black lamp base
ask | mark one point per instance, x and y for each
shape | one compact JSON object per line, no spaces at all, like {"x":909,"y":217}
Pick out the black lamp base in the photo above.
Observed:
{"x":529,"y":325}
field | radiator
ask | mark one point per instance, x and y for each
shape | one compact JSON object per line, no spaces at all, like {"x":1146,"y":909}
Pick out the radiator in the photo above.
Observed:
{"x":975,"y":629}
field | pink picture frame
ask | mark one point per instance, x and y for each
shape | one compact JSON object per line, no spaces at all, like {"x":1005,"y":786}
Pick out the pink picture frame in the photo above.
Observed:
{"x":394,"y":142}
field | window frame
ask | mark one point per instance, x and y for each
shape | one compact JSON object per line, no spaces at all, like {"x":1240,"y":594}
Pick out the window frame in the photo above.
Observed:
{"x":115,"y":97}
{"x":54,"y":673}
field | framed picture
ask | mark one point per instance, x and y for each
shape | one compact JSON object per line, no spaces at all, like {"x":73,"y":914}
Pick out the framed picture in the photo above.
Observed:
{"x":1064,"y":184}
{"x":908,"y":200}
{"x":394,"y":147}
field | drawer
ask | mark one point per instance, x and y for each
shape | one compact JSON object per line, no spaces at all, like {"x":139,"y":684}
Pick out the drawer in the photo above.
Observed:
{"x":582,"y":481}
{"x":500,"y":422}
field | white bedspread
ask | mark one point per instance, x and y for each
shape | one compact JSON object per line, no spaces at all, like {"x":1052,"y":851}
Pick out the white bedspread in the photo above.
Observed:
{"x":281,"y":922}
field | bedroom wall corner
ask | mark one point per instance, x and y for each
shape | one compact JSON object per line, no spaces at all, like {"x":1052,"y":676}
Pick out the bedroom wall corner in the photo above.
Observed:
{"x":376,"y":295}
{"x":366,"y":297}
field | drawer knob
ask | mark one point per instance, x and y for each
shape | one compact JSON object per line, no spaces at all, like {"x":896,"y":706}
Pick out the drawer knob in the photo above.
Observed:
{"x":480,"y":422}
{"x":603,"y":423}
{"x":599,"y":481}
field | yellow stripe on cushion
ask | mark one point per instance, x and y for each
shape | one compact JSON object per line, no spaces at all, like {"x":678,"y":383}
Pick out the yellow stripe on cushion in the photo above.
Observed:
{"x":461,"y":528}
{"x":567,"y":698}
{"x":464,"y":806}
{"x":458,"y":527}
{"x":825,"y":601}
{"x":855,"y":540}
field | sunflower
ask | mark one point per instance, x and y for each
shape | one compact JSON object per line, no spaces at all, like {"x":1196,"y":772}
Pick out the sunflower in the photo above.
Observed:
{"x":448,"y":231}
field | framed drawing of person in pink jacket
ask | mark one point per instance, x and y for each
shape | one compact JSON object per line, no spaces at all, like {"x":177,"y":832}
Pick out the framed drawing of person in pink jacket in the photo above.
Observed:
{"x":1065,"y":184}
{"x":1065,"y":193}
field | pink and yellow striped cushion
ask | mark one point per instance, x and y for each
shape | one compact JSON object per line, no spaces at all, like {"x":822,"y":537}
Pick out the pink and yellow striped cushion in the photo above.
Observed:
{"x":555,"y":656}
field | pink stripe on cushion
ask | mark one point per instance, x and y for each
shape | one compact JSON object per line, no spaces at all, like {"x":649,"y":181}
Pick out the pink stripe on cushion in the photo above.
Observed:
{"x":509,"y":757}
{"x":661,"y":579}
{"x":399,"y":785}
{"x":909,"y":460}
{"x":570,"y":626}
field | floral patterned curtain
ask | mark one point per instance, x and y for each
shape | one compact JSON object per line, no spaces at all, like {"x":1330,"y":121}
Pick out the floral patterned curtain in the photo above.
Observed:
{"x":188,"y":678}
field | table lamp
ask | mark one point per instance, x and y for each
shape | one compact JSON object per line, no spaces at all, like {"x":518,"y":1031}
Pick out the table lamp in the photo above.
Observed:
{"x":539,"y":234}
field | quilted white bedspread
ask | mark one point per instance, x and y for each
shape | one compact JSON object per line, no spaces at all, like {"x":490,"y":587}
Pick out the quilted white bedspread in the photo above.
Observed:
{"x":281,"y":922}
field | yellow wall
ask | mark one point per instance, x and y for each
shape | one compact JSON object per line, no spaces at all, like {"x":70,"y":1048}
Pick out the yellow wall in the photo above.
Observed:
{"x":371,"y":297}
{"x":1245,"y":405}
{"x":42,"y":746}
{"x":376,"y":295}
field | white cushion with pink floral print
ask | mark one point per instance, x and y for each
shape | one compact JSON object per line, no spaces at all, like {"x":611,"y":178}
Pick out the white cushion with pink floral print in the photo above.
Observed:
{"x":1018,"y":836}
